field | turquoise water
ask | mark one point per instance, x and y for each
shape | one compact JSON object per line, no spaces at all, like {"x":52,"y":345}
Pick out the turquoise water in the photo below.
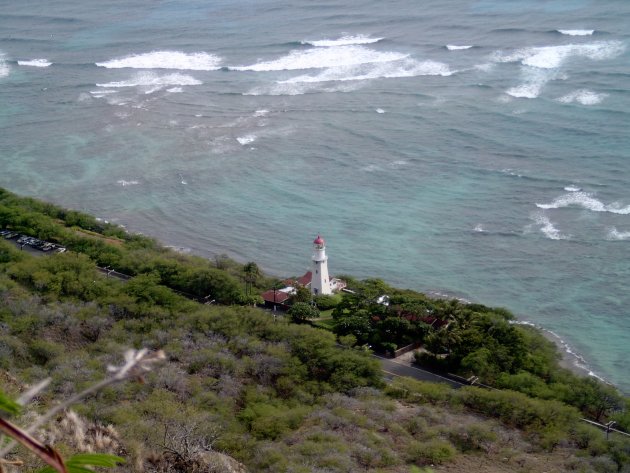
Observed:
{"x":478,"y":149}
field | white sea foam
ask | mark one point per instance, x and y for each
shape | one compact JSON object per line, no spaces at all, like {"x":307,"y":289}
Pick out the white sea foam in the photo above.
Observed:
{"x":529,"y":90}
{"x":261,"y":113}
{"x":453,"y":47}
{"x":4,"y":67}
{"x":246,"y":139}
{"x":343,"y":41}
{"x":179,"y":249}
{"x":35,"y":63}
{"x":302,"y":88}
{"x":380,"y":110}
{"x":391,"y":69}
{"x":542,"y":64}
{"x":479,"y":228}
{"x":614,"y":234}
{"x":552,"y":57}
{"x":548,"y":228}
{"x":166,"y":60}
{"x":511,"y":172}
{"x":487,"y":67}
{"x":583,"y":96}
{"x":175,"y":90}
{"x":152,"y":81}
{"x":575,"y":358}
{"x":572,"y":189}
{"x":83,"y":97}
{"x":577,"y":32}
{"x":586,"y":201}
{"x":124,"y":183}
{"x":319,"y":58}
{"x":398,"y":163}
{"x":102,"y":92}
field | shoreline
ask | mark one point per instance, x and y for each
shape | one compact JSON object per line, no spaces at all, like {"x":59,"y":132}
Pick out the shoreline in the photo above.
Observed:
{"x":568,"y":358}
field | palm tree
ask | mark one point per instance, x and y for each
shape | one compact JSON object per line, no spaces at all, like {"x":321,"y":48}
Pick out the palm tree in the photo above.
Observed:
{"x":252,"y":272}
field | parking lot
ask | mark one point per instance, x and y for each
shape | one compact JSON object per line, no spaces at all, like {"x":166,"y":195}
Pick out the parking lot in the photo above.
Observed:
{"x":29,"y":242}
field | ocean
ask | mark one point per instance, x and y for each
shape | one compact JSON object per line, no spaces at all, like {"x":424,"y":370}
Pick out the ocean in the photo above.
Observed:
{"x":478,"y":149}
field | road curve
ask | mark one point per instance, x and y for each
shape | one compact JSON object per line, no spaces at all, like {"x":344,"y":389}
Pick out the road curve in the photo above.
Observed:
{"x":393,"y":368}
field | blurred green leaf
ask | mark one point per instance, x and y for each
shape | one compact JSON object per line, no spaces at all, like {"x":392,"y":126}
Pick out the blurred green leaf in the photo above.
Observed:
{"x":94,"y":459}
{"x":79,"y":463}
{"x":8,"y":405}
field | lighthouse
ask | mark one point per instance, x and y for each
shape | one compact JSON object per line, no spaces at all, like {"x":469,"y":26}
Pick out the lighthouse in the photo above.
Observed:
{"x":320,"y":282}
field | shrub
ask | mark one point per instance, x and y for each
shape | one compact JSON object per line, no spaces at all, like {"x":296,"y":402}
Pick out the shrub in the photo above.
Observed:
{"x":420,"y":392}
{"x":473,"y":437}
{"x":433,"y":451}
{"x":302,"y":311}
{"x":43,"y":351}
{"x":517,"y":409}
{"x":327,"y":302}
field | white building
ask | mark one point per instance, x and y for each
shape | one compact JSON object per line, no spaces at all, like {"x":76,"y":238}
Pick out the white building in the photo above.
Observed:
{"x":320,"y":282}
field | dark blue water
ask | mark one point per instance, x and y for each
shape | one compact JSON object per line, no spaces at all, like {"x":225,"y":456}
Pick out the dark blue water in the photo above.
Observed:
{"x":479,"y":149}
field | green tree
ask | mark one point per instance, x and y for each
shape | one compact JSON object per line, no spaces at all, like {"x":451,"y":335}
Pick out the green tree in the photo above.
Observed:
{"x":252,"y":273}
{"x":302,"y":311}
{"x":301,"y":294}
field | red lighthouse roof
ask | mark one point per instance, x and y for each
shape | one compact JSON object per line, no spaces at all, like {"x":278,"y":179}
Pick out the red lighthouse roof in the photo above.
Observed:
{"x":318,"y":241}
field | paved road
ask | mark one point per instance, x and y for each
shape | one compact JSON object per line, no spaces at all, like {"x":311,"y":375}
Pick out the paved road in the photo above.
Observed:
{"x":393,"y":368}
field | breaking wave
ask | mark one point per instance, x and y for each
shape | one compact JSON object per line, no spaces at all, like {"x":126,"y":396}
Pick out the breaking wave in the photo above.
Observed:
{"x":35,"y":63}
{"x":124,"y":183}
{"x":343,"y":41}
{"x":576,"y":32}
{"x":453,"y":47}
{"x":397,"y":68}
{"x":153,"y":81}
{"x":547,"y":227}
{"x":586,"y":201}
{"x":572,"y":189}
{"x":552,"y":57}
{"x":541,"y":64}
{"x":4,"y":67}
{"x":247,"y":139}
{"x":583,"y":96}
{"x":166,"y":60}
{"x":616,"y":235}
{"x":320,"y":58}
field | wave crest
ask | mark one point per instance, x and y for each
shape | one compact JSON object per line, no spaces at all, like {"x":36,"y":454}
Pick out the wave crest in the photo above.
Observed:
{"x":392,"y":69}
{"x":576,"y":32}
{"x":542,"y":64}
{"x":616,"y":235}
{"x":343,"y":41}
{"x":125,"y":183}
{"x":153,"y":80}
{"x":453,"y":47}
{"x":321,"y":58}
{"x":586,"y":201}
{"x":548,"y":228}
{"x":4,"y":67}
{"x":166,"y":60}
{"x":552,"y":57}
{"x":583,"y":96}
{"x":35,"y":63}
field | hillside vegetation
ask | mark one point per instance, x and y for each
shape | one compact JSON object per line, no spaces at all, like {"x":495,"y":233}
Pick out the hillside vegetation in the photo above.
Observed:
{"x":243,"y":390}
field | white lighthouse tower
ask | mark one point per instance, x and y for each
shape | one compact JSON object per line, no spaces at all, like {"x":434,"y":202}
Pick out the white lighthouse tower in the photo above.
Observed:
{"x":320,"y":282}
